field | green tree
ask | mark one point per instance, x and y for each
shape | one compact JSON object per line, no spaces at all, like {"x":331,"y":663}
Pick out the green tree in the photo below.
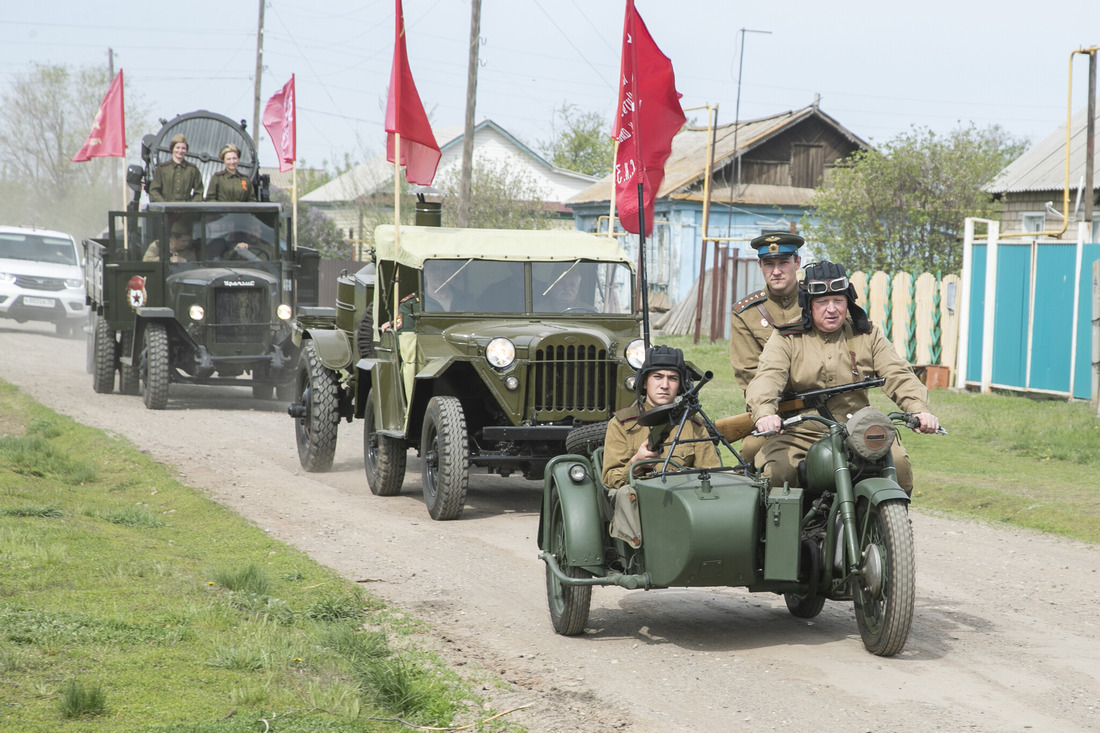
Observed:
{"x":316,"y":229}
{"x":45,"y":115}
{"x":581,"y":142}
{"x":901,"y":207}
{"x":501,"y":197}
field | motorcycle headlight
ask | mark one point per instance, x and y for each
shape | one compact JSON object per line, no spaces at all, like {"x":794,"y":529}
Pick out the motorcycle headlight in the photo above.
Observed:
{"x":635,"y":353}
{"x":196,"y":312}
{"x":577,"y":473}
{"x":870,"y":434}
{"x":284,"y":312}
{"x":500,"y":353}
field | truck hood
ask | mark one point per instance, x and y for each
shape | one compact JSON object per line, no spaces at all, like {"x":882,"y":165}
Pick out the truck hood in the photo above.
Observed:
{"x":227,"y":276}
{"x":529,"y":333}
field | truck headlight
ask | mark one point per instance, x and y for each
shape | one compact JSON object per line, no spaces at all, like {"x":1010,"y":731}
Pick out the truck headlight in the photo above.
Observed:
{"x":196,"y":312}
{"x":500,"y":352}
{"x":284,"y":312}
{"x":635,"y":353}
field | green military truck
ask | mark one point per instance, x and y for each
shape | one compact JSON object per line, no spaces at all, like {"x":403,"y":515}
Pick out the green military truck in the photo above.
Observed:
{"x":221,"y":314}
{"x":478,"y":348}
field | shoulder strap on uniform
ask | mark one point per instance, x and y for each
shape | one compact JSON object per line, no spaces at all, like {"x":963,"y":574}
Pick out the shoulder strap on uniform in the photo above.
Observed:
{"x":627,"y":414}
{"x":750,"y":300}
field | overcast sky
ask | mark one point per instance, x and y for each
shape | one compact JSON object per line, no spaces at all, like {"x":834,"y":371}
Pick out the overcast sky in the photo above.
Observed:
{"x":880,"y":67}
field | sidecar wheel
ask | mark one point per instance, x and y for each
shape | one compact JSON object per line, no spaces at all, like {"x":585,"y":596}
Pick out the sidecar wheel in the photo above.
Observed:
{"x":804,"y":606}
{"x":884,"y":595}
{"x":569,"y":604}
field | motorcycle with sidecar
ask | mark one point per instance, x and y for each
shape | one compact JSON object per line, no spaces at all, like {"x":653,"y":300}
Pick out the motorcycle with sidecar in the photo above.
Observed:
{"x":843,"y":536}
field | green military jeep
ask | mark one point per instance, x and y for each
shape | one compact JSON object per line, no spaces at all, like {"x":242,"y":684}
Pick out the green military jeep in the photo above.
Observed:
{"x":196,"y":292}
{"x":476,"y":347}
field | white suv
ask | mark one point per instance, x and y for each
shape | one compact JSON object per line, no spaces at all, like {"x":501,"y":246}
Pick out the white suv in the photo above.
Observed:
{"x":41,"y":278}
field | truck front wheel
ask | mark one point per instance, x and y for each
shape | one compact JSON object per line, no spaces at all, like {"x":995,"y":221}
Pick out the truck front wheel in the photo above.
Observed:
{"x":154,"y":366}
{"x":315,"y":431}
{"x":446,"y":453}
{"x":106,"y":357}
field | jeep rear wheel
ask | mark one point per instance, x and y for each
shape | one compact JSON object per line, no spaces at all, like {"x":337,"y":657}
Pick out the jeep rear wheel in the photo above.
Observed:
{"x":129,"y":377}
{"x":446,"y":451}
{"x":384,"y":458}
{"x":154,"y":366}
{"x":106,"y":357}
{"x":315,"y":430}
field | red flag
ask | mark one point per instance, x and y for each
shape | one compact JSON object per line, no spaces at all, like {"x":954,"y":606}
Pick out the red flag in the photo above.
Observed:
{"x":108,"y":136}
{"x":279,"y":121}
{"x":405,"y":116}
{"x":649,"y":117}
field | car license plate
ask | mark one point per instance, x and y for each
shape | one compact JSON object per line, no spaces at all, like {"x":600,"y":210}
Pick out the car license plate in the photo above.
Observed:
{"x":38,"y":302}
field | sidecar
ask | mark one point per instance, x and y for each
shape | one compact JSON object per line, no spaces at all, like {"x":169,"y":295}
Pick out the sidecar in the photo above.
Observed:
{"x":716,"y":527}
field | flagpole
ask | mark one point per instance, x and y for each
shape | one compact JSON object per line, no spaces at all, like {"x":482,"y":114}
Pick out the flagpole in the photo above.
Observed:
{"x":611,"y":212}
{"x":641,"y":267}
{"x":294,"y":199}
{"x":396,"y":188}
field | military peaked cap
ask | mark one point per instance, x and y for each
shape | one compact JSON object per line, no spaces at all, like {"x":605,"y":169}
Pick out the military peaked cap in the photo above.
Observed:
{"x":777,"y":244}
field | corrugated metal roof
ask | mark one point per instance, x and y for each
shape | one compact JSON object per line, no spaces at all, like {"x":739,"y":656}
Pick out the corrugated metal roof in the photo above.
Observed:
{"x":686,"y":164}
{"x":1043,"y":166}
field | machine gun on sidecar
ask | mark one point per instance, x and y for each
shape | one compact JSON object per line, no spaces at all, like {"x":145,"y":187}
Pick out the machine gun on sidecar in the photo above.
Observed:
{"x":843,"y":536}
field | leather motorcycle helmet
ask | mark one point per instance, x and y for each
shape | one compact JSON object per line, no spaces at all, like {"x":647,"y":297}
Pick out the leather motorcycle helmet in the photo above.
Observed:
{"x":830,"y":278}
{"x":662,"y":357}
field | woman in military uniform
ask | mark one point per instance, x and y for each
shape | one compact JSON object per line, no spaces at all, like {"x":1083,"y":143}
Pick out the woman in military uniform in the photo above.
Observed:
{"x":229,"y":184}
{"x":835,"y":345}
{"x":176,"y":180}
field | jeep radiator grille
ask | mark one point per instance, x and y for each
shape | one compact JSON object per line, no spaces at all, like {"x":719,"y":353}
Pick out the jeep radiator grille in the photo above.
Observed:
{"x":240,"y":315}
{"x":572,"y":379}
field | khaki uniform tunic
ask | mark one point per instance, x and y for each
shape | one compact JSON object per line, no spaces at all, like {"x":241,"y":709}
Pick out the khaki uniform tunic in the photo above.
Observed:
{"x":625,"y":436}
{"x":176,"y":182}
{"x":188,"y":253}
{"x":226,"y":186}
{"x":750,"y":329}
{"x":798,"y":362}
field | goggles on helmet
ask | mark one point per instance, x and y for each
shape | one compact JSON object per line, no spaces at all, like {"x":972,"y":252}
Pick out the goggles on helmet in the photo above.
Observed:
{"x":821,"y":287}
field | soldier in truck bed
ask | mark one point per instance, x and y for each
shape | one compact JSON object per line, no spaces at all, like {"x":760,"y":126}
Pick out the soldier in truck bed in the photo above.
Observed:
{"x":756,"y":316}
{"x":176,"y":180}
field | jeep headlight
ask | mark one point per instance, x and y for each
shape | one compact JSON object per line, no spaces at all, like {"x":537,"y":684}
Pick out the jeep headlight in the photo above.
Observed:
{"x":500,"y":352}
{"x":284,"y":312}
{"x":635,"y":353}
{"x":197,"y":312}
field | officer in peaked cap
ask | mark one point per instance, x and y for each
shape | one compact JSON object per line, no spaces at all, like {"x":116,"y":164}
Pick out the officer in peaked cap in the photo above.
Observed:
{"x":756,"y":316}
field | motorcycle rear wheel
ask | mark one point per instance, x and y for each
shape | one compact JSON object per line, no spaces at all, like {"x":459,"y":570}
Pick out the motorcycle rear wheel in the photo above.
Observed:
{"x":884,"y":594}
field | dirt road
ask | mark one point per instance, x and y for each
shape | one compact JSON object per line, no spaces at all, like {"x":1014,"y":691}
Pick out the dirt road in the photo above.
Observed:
{"x":1006,"y":634}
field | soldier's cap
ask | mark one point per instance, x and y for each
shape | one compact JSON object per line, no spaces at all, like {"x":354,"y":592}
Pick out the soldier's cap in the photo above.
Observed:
{"x":777,"y":244}
{"x":229,"y":148}
{"x":179,"y":137}
{"x":658,"y":358}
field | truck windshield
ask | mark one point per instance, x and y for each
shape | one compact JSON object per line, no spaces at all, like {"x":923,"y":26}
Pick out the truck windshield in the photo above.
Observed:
{"x":487,"y":286}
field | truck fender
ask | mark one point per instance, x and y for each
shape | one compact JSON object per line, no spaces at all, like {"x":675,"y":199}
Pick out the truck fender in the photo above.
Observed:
{"x":333,"y":347}
{"x":877,"y":490}
{"x":584,"y":527}
{"x":164,"y":315}
{"x":364,"y":377}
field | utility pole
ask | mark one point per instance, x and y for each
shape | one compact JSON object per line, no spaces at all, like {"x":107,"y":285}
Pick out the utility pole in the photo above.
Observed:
{"x":464,"y":191}
{"x":1090,"y":141}
{"x":737,"y":111}
{"x":259,"y":72}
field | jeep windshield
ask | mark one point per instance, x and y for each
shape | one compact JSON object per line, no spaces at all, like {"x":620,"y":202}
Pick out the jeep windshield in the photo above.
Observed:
{"x":488,"y":286}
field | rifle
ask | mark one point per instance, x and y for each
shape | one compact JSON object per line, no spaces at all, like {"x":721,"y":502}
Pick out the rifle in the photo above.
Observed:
{"x":661,"y":420}
{"x":738,"y":426}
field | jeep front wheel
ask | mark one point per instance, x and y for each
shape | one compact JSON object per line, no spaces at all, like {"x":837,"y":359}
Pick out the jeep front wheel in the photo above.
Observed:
{"x":315,"y":428}
{"x":384,"y":458}
{"x":106,"y":357}
{"x":446,"y":453}
{"x":154,"y":366}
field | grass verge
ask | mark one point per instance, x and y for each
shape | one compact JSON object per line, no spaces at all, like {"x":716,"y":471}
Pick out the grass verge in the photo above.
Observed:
{"x":129,"y":602}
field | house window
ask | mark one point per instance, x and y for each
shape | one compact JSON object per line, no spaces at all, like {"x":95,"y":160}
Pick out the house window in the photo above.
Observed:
{"x":1034,"y":222}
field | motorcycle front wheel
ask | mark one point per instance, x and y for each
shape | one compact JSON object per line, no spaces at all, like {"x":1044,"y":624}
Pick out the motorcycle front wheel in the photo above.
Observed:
{"x":885,"y":590}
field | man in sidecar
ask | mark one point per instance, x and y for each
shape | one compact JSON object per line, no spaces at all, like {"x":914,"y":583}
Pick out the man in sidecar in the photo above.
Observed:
{"x":662,"y":377}
{"x":836,"y":344}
